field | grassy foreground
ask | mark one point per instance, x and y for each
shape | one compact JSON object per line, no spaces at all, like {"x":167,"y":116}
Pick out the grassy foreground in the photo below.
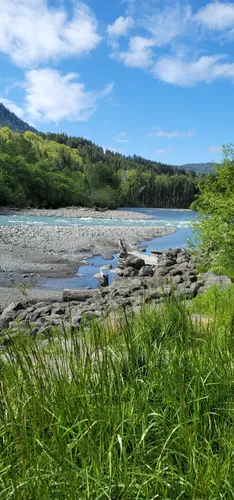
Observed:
{"x":141,"y":409}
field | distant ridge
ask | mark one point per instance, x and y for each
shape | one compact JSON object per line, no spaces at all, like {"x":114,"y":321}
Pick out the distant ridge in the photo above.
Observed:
{"x":199,"y":168}
{"x":9,"y":119}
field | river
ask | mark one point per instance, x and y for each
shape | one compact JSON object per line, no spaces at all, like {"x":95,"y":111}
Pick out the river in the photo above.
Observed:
{"x":178,"y":219}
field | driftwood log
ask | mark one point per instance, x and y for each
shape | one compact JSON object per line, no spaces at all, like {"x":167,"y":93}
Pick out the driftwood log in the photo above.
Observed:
{"x":149,"y":260}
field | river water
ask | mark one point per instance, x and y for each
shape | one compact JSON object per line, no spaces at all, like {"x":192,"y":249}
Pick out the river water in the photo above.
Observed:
{"x":178,"y":219}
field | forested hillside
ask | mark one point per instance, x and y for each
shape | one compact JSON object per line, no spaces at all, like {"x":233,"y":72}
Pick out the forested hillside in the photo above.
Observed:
{"x":199,"y":168}
{"x":56,"y":170}
{"x":9,"y":119}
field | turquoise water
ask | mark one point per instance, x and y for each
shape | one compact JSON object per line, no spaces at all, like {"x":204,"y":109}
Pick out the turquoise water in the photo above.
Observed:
{"x":162,"y":217}
{"x":178,"y":219}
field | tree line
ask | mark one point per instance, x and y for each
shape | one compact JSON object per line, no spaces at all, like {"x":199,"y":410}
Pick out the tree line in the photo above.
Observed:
{"x":54,"y":170}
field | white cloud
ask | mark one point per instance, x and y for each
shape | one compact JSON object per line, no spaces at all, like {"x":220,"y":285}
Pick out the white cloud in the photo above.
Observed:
{"x":139,"y":54}
{"x":121,"y":137}
{"x":120,"y":27}
{"x":163,"y":151}
{"x":31,"y":32}
{"x":130,"y":6}
{"x":216,"y":15}
{"x":168,"y":23}
{"x":114,"y":150}
{"x":172,"y":135}
{"x":108,"y":89}
{"x":52,"y":97}
{"x":121,"y":140}
{"x":12,"y":107}
{"x":215,"y":149}
{"x":188,"y":74}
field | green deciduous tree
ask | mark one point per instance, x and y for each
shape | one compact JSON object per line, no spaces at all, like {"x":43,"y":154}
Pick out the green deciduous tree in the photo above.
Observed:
{"x":214,"y":230}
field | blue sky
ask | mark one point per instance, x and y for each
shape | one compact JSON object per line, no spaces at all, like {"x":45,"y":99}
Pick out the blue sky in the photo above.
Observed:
{"x":147,"y":77}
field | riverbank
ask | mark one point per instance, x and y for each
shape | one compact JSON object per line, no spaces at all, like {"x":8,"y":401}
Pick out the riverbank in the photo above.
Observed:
{"x":31,"y":252}
{"x":76,"y":213}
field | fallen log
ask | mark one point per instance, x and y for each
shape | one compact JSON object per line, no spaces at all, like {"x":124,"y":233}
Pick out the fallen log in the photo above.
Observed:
{"x":150,"y":260}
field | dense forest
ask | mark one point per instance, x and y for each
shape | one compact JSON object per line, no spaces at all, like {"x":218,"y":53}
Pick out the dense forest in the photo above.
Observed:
{"x":53,"y":170}
{"x":9,"y":119}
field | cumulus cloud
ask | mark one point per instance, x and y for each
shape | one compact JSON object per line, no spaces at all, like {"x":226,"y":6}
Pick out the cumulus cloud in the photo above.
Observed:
{"x":173,"y":35}
{"x":171,"y":135}
{"x":123,"y":134}
{"x":188,"y":74}
{"x":120,"y":27}
{"x":31,"y":32}
{"x":139,"y":53}
{"x":52,"y":97}
{"x":216,"y":15}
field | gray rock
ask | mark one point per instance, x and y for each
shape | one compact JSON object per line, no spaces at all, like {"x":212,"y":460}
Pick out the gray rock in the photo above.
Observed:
{"x":166,"y":262}
{"x":211,"y":279}
{"x":135,"y":262}
{"x":174,"y":251}
{"x":160,"y":271}
{"x":175,"y":271}
{"x":12,"y":309}
{"x":4,"y":324}
{"x":107,"y":256}
{"x":184,"y":267}
{"x":22,"y":315}
{"x":89,"y":315}
{"x":129,"y":272}
{"x":176,"y":280}
{"x":146,"y":271}
{"x":181,"y":259}
{"x":76,"y":321}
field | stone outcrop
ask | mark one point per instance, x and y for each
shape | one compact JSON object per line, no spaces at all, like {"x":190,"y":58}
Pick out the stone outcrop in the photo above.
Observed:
{"x":175,"y":273}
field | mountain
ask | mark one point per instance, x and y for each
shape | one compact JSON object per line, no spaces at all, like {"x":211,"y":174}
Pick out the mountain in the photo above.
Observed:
{"x":9,"y":119}
{"x":199,"y":168}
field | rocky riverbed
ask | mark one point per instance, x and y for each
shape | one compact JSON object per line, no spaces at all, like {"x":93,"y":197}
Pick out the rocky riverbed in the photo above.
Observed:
{"x":28,"y":253}
{"x":77,"y":213}
{"x":174,"y":273}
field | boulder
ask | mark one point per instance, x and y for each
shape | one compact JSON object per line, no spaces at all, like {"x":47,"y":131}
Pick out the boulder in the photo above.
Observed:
{"x":166,"y":262}
{"x":12,"y":309}
{"x":135,"y":262}
{"x":129,"y":272}
{"x":211,"y":279}
{"x":146,"y":271}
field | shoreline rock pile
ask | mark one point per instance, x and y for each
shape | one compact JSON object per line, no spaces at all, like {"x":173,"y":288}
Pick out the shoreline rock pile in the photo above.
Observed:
{"x":174,"y":272}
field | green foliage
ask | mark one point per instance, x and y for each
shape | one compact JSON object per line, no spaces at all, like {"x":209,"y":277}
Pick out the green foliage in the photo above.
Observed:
{"x":194,"y":205}
{"x":142,"y":409}
{"x":215,"y":226}
{"x":53,"y":170}
{"x":106,"y":197}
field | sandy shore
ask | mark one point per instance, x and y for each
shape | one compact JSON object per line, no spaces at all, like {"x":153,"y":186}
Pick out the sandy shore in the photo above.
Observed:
{"x":28,"y":253}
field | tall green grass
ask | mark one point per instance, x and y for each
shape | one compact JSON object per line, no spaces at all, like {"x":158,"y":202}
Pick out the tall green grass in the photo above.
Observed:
{"x":141,"y":409}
